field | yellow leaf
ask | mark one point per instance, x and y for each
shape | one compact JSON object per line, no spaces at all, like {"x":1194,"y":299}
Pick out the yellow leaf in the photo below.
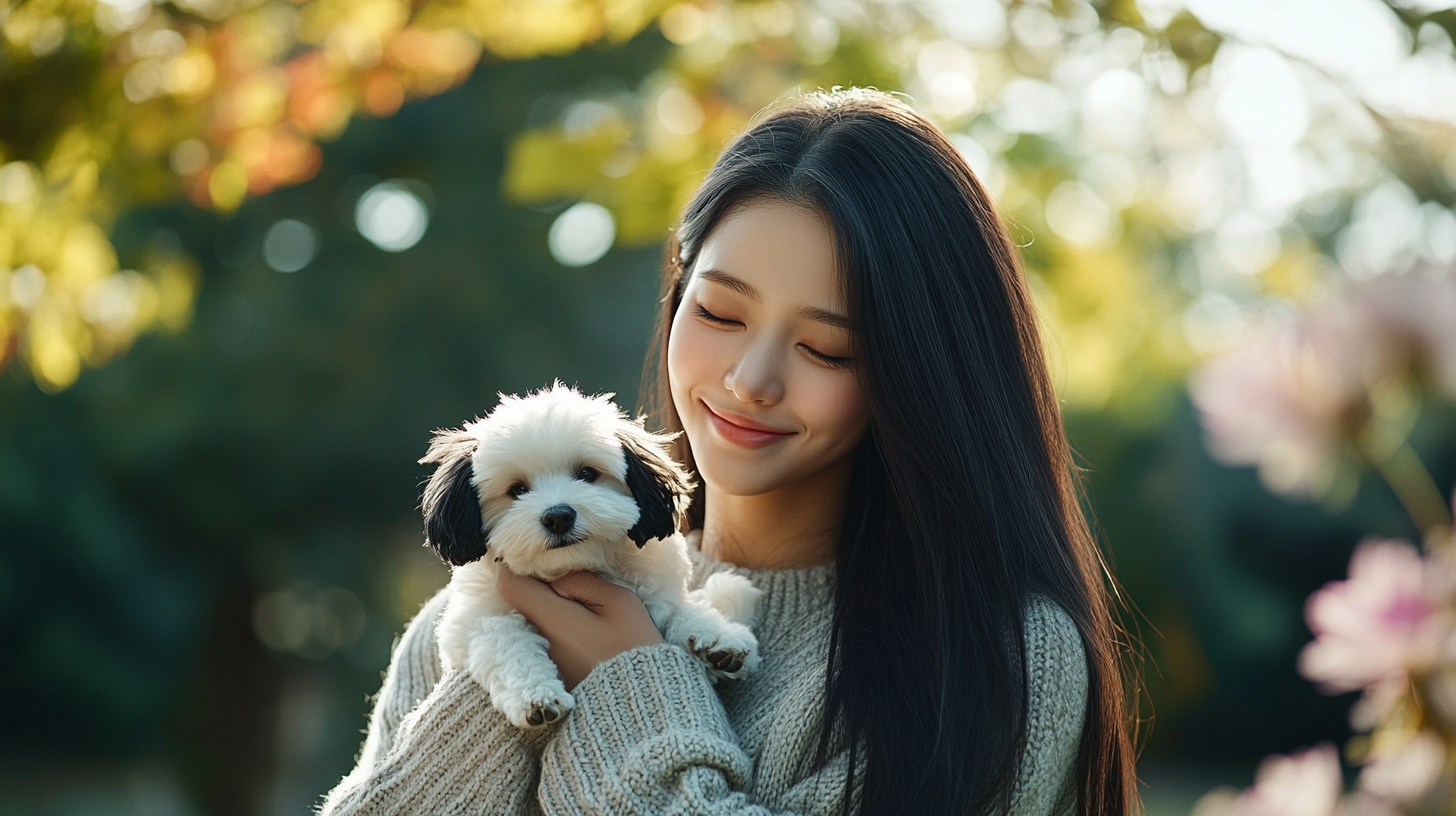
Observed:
{"x":513,"y":29}
{"x":191,"y":75}
{"x":70,"y":152}
{"x":85,"y":256}
{"x":227,"y":185}
{"x":542,"y":165}
{"x":52,"y":354}
{"x":625,"y":18}
{"x":176,"y":290}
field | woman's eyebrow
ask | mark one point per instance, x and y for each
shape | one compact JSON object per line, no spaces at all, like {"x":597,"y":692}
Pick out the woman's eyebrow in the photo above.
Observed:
{"x":825,"y":316}
{"x":736,"y":284}
{"x":742,"y":287}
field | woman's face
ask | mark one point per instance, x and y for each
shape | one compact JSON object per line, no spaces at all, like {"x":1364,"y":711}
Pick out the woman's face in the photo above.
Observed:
{"x":758,"y":356}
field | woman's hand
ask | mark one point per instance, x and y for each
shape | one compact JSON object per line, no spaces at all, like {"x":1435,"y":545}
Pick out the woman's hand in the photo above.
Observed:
{"x":586,"y":619}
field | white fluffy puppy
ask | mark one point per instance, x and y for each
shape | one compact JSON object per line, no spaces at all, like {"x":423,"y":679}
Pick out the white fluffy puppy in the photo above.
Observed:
{"x":556,"y":482}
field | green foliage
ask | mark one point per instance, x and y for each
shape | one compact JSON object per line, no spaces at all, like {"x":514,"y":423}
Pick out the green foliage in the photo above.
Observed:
{"x":146,"y":511}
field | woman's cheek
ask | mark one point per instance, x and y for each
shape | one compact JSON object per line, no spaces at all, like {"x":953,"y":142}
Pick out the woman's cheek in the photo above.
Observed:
{"x":838,"y":407}
{"x":694,"y":368}
{"x":690,"y":352}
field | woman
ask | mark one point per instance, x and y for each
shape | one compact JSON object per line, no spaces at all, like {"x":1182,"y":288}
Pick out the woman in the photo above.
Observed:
{"x":849,"y":345}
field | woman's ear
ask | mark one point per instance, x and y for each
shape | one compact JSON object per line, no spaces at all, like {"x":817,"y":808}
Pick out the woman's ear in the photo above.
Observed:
{"x":454,"y":527}
{"x":658,"y":484}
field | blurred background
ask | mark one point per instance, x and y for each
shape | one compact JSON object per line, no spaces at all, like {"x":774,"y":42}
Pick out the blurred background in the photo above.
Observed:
{"x":253,"y":251}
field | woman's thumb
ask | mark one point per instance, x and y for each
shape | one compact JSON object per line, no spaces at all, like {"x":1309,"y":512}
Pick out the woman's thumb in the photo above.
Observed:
{"x":586,"y":589}
{"x":522,"y":591}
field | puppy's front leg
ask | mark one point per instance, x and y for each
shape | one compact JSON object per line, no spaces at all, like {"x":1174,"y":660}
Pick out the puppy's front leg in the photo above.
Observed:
{"x":509,"y":658}
{"x":728,"y":649}
{"x":480,"y":633}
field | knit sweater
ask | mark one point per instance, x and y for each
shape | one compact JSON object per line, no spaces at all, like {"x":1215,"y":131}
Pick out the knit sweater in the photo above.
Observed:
{"x":650,"y":734}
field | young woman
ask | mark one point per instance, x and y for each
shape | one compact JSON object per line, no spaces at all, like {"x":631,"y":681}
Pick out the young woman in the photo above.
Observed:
{"x":849,"y":345}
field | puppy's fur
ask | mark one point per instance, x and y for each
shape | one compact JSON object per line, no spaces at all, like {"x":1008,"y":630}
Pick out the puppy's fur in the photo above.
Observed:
{"x":556,"y":482}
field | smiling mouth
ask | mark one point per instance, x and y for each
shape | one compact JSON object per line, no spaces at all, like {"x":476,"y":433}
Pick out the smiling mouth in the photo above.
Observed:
{"x":742,"y":435}
{"x":747,"y":427}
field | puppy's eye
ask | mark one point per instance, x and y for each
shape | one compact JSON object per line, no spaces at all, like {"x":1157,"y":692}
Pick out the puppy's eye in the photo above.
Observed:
{"x":517,"y":490}
{"x":588,"y":474}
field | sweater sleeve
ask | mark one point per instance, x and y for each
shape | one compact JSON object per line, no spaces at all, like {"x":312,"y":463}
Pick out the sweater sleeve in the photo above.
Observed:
{"x":649,"y":736}
{"x":413,"y":671}
{"x":435,"y":744}
{"x":1056,"y":668}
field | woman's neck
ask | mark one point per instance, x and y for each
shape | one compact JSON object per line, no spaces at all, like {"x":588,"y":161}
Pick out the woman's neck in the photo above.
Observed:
{"x":793,"y":527}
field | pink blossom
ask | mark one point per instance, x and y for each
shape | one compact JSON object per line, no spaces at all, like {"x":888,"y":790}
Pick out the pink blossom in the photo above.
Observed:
{"x":1415,"y":313}
{"x":1296,"y":389}
{"x":1282,"y":398}
{"x":1373,"y":628}
{"x":1406,"y":774}
{"x":1305,"y":784}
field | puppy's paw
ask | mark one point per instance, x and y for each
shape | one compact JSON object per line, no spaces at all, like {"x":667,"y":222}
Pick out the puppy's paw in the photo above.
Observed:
{"x":727,"y":662}
{"x":732,"y":653}
{"x":535,"y":708}
{"x":545,"y":713}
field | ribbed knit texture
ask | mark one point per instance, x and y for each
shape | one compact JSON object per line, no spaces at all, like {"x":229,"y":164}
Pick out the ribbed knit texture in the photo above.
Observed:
{"x":651,"y":735}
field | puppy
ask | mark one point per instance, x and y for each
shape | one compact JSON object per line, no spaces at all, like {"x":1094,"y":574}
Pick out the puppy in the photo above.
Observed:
{"x":548,"y":484}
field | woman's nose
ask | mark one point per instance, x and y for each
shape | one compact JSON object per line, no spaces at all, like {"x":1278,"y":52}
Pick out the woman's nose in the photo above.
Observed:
{"x":757,"y":375}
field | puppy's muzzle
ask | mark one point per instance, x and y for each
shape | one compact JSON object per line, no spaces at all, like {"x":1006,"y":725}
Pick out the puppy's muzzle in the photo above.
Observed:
{"x":559,"y":521}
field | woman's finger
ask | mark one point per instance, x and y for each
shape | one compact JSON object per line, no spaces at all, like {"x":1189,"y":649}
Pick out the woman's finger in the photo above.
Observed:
{"x":584,"y":618}
{"x":588,"y":590}
{"x":532,"y":597}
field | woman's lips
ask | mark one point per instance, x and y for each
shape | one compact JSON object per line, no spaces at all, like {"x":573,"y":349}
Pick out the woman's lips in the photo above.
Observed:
{"x":731,"y":430}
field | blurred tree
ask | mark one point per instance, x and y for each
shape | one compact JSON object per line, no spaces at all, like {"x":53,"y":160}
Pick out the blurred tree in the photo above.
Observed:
{"x":110,"y":105}
{"x":191,"y":533}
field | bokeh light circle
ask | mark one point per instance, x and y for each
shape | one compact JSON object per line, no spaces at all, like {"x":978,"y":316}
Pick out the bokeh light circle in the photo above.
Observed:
{"x":289,"y":245}
{"x":582,"y":234}
{"x":391,"y":216}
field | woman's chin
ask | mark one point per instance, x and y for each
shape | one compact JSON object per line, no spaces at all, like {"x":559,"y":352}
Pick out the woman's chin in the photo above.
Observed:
{"x":738,"y":481}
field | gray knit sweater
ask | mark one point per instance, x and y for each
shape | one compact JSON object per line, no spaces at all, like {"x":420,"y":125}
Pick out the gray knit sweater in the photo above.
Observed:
{"x":651,"y":735}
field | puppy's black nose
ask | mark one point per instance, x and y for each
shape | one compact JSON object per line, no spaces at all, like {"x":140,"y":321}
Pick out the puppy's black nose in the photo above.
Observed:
{"x":559,"y":519}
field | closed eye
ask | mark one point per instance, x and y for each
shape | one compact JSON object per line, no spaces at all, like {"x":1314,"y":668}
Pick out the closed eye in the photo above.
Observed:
{"x":832,"y":362}
{"x":826,"y":359}
{"x":712,"y":318}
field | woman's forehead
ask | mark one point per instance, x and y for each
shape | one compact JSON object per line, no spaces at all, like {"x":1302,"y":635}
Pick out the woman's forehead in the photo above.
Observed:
{"x":774,"y":253}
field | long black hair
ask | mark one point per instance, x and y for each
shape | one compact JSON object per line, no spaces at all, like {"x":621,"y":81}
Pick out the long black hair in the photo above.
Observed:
{"x":964,"y":499}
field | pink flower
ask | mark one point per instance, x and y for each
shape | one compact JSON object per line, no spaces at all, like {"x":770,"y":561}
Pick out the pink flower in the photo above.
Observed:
{"x":1283,"y":399}
{"x":1296,"y":390}
{"x":1415,"y":313}
{"x":1306,"y":784}
{"x":1374,"y":628}
{"x":1407,"y":774}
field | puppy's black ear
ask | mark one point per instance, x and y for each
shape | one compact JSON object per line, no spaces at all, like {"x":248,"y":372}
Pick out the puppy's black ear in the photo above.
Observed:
{"x":453,"y":524}
{"x":658,"y":484}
